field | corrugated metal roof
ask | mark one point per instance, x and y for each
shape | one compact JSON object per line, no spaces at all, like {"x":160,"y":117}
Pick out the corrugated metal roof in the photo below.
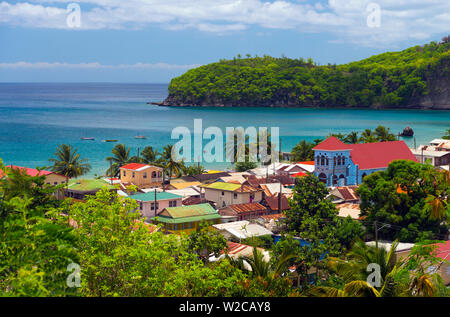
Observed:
{"x":249,"y":207}
{"x":186,"y":219}
{"x":191,"y":211}
{"x":150,"y":196}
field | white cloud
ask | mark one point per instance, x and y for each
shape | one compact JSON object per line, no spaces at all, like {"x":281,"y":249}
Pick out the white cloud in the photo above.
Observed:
{"x":346,"y":19}
{"x":95,"y":65}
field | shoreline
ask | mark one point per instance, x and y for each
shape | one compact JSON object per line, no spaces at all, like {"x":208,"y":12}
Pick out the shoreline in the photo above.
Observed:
{"x":434,"y":108}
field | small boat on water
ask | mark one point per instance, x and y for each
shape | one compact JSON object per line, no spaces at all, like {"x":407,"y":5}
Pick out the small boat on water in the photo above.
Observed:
{"x":84,"y":138}
{"x":140,"y":137}
{"x":111,"y":140}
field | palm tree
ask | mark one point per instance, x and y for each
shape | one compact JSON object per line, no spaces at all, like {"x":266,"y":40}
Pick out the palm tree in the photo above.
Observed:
{"x":302,"y":151}
{"x":266,"y":269}
{"x":67,"y":162}
{"x":121,"y":156}
{"x":170,"y":163}
{"x":150,"y":155}
{"x":397,"y":277}
{"x":352,"y":138}
{"x":437,"y":204}
{"x":383,"y":135}
{"x":368,"y":136}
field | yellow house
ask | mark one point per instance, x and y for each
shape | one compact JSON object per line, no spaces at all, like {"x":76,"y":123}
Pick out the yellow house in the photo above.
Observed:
{"x":186,"y":218}
{"x":142,"y":175}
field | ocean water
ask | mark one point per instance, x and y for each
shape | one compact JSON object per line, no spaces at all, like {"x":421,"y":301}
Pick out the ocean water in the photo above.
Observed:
{"x":36,"y":118}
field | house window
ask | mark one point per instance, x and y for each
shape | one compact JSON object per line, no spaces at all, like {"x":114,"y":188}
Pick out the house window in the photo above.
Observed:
{"x":55,"y":183}
{"x":153,"y":174}
{"x":235,"y":195}
{"x":172,"y":203}
{"x":145,"y":175}
{"x":152,"y":206}
{"x":124,"y":173}
{"x":140,"y":206}
{"x":132,"y":175}
{"x":223,"y":193}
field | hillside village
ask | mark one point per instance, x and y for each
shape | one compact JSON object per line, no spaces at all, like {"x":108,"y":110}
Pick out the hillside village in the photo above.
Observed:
{"x":244,"y":206}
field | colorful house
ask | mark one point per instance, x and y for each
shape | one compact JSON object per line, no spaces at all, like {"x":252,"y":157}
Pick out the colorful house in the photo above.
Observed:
{"x":186,"y":218}
{"x":80,"y":188}
{"x":340,"y":164}
{"x":152,"y":203}
{"x":142,"y":175}
{"x":51,"y":178}
{"x":225,"y":194}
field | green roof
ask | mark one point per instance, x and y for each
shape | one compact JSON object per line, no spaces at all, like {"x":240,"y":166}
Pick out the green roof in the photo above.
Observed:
{"x":223,"y":186}
{"x":191,"y":211}
{"x":88,"y":184}
{"x":150,"y":196}
{"x":186,"y":219}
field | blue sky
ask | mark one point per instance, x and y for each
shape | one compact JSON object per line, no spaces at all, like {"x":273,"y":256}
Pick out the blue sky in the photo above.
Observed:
{"x":154,"y":40}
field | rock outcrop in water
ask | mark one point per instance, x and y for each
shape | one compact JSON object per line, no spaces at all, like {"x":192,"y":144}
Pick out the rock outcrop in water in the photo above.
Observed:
{"x":416,"y":78}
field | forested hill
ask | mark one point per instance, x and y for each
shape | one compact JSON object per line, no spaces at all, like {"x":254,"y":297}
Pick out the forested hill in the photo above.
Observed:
{"x":417,"y":77}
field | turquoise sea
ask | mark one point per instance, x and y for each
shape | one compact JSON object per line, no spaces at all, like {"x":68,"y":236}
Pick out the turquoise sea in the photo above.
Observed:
{"x":35,"y":118}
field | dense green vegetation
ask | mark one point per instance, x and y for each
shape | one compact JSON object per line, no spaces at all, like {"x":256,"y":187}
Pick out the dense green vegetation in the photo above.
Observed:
{"x":409,"y":200}
{"x":387,"y":80}
{"x":44,"y":240}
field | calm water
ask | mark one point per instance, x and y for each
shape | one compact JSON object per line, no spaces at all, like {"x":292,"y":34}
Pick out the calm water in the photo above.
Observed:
{"x":35,"y":118}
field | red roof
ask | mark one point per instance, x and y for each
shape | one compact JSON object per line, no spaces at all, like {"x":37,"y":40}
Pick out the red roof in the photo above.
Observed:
{"x":443,"y":250}
{"x":29,"y":171}
{"x":299,"y":174}
{"x":332,"y":144}
{"x":380,"y":154}
{"x":307,"y":162}
{"x":370,"y":155}
{"x":134,"y":166}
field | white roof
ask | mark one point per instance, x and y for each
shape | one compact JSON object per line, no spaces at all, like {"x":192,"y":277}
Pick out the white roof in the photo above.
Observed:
{"x":307,"y":167}
{"x":437,"y":141}
{"x":429,"y":153}
{"x":185,"y":192}
{"x":387,"y":245}
{"x":351,"y":210}
{"x":243,"y":229}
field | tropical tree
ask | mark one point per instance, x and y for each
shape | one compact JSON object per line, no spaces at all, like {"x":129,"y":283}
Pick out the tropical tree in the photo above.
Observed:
{"x":150,"y":155}
{"x":368,"y":136}
{"x":303,"y":151}
{"x":170,"y":163}
{"x":409,"y":198}
{"x":67,"y":162}
{"x":121,"y":156}
{"x":351,"y":138}
{"x":382,"y":134}
{"x":193,"y":170}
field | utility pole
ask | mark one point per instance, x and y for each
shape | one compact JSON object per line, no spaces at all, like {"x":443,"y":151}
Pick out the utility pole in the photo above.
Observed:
{"x":279,"y":198}
{"x":110,"y":172}
{"x":376,"y":234}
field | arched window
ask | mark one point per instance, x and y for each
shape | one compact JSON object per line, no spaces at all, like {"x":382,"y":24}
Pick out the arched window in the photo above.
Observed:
{"x":328,"y":161}
{"x":342,"y":180}
{"x":318,"y":160}
{"x":322,"y":160}
{"x":334,"y":161}
{"x":343,"y":160}
{"x":335,"y":180}
{"x":323,"y":178}
{"x":153,"y":174}
{"x":363,"y":175}
{"x":339,"y":160}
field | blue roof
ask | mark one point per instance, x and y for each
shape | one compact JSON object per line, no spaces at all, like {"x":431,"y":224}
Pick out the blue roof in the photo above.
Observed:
{"x":150,"y":196}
